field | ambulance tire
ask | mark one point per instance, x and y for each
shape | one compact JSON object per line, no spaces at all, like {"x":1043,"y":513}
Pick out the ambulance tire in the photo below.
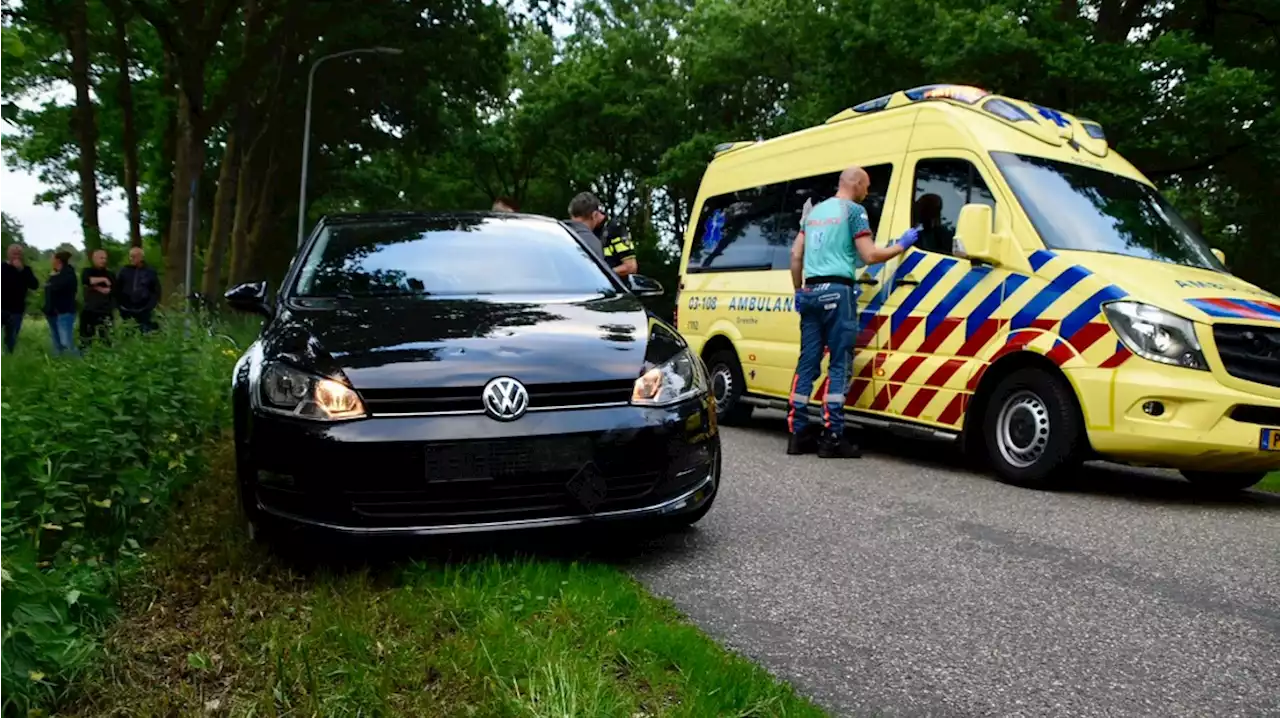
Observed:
{"x":1033,"y":430}
{"x":727,"y":386}
{"x":1223,"y":482}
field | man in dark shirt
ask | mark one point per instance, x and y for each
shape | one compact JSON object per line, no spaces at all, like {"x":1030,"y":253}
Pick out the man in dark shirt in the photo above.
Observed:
{"x":585,"y":218}
{"x":138,"y":291}
{"x":98,"y":281}
{"x":60,"y":304}
{"x":18,"y":280}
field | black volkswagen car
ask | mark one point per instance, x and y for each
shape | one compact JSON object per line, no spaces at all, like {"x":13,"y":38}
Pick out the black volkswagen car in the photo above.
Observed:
{"x":441,"y":373}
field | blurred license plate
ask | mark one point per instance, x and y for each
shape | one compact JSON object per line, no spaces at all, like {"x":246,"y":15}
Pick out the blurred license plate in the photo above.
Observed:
{"x":482,"y":460}
{"x":1270,"y":440}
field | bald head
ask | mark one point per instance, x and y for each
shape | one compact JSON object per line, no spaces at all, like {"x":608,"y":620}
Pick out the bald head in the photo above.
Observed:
{"x":854,"y":183}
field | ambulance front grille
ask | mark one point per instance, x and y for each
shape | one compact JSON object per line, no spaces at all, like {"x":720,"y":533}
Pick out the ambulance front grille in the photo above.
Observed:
{"x":1250,"y":353}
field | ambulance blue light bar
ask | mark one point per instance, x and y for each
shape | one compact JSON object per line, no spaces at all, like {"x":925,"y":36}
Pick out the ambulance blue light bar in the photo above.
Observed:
{"x":873,"y":105}
{"x":1093,"y":129}
{"x":1006,"y":110}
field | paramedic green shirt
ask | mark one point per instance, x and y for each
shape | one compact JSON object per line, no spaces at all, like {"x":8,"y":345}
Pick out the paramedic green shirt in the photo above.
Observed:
{"x":829,"y":231}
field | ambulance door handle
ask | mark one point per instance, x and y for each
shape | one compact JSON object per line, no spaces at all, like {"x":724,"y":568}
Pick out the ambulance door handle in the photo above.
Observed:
{"x":906,"y":281}
{"x":867,"y":280}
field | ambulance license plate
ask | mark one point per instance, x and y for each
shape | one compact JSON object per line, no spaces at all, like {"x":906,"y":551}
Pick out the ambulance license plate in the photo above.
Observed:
{"x":1270,"y":440}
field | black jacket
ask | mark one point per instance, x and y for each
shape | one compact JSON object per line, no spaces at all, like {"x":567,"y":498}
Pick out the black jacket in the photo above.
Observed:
{"x":16,"y":284}
{"x":137,"y":289}
{"x":60,"y":292}
{"x":95,"y":301}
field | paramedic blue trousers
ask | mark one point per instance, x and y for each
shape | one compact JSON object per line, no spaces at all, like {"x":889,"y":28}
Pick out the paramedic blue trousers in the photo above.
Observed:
{"x":828,"y":324}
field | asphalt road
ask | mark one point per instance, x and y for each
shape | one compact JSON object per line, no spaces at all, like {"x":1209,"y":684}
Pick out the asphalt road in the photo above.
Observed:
{"x":904,"y":585}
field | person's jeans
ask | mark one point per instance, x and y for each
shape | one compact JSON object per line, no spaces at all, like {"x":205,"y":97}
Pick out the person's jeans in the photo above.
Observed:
{"x":828,"y":323}
{"x":62,"y":328}
{"x":12,"y":327}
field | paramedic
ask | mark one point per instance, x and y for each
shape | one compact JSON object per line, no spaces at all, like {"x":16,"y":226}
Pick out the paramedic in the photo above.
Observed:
{"x":833,"y":243}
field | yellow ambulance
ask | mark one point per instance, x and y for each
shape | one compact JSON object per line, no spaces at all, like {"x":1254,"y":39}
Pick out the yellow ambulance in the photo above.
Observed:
{"x":1056,"y":308}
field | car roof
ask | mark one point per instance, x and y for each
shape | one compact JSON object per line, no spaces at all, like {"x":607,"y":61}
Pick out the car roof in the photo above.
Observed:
{"x":447,"y":215}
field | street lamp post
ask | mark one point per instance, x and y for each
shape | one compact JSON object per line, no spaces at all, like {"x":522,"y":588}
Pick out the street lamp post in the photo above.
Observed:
{"x":306,"y":128}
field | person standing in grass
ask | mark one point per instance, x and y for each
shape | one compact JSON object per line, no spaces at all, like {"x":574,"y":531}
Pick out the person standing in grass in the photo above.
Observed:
{"x":18,"y":280}
{"x":98,"y":281}
{"x":138,"y":291}
{"x":60,"y":304}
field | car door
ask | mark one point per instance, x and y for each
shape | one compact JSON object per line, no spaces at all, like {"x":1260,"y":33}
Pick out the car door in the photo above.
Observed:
{"x":932,"y":321}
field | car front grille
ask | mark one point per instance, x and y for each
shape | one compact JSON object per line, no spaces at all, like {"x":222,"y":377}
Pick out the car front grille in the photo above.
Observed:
{"x":467,"y":400}
{"x":1250,"y":353}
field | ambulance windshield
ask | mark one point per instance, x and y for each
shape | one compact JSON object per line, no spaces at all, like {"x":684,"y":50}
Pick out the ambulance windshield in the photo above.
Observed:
{"x":1080,"y":208}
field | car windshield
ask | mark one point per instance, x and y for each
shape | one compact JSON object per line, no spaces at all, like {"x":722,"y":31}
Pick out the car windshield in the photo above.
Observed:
{"x":1080,"y":208}
{"x":448,"y":256}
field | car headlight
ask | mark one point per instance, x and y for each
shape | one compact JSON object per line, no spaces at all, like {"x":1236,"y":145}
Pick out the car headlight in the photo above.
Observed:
{"x":679,"y":378}
{"x":286,"y":390}
{"x":1152,"y":333}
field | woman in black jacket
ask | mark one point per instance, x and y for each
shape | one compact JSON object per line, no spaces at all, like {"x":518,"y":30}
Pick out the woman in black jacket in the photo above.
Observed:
{"x":60,"y":304}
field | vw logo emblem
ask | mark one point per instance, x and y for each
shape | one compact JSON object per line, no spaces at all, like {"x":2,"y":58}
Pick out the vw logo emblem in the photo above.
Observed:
{"x":505,"y":399}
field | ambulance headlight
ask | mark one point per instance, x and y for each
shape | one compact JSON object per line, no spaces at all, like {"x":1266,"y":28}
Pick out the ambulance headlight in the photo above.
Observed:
{"x":1157,"y":335}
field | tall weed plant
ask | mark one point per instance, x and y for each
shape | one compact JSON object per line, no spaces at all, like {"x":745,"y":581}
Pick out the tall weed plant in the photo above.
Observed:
{"x":93,"y":450}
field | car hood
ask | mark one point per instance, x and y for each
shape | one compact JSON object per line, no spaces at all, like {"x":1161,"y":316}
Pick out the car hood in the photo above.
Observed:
{"x":465,"y":342}
{"x":1199,"y":294}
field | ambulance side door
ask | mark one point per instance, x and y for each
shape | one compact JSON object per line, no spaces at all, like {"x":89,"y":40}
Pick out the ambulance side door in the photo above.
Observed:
{"x":931,"y":341}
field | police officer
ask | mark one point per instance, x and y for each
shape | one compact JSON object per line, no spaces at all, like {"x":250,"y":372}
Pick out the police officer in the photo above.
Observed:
{"x":618,"y":249}
{"x":585,"y":219}
{"x":833,"y":243}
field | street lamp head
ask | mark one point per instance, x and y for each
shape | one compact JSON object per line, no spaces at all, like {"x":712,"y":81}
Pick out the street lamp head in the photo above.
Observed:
{"x":389,"y":50}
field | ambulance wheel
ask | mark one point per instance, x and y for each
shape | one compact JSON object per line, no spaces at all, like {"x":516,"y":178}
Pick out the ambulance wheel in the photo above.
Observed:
{"x":1223,"y":482}
{"x":727,"y":387}
{"x":1033,"y":430}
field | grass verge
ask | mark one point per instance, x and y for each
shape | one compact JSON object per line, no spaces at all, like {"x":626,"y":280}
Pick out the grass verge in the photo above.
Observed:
{"x":216,"y":625}
{"x":1271,"y":483}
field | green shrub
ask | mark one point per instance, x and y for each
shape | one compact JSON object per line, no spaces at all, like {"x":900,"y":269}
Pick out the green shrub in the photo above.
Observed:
{"x":93,"y":450}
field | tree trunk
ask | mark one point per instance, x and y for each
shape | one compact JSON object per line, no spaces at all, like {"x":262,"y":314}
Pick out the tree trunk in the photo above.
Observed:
{"x":223,"y":210}
{"x":168,"y":151}
{"x":86,"y":124}
{"x":129,"y":135}
{"x":188,"y":163}
{"x":262,"y":218}
{"x":245,"y":196}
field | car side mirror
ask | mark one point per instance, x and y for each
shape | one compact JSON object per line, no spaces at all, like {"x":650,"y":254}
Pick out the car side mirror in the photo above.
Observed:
{"x":643,"y":286}
{"x":1222,"y":256}
{"x":249,"y":297}
{"x":976,"y":240}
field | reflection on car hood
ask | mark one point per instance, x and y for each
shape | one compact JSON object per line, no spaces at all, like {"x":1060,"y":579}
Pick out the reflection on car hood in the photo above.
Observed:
{"x":408,"y":342}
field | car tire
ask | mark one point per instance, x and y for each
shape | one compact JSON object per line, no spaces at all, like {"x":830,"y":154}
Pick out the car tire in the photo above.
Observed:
{"x":727,"y":387}
{"x":1223,"y":482}
{"x":258,"y":526}
{"x":1032,"y":429}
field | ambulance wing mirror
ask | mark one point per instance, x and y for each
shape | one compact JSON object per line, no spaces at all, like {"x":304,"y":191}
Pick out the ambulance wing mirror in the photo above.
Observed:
{"x":976,"y":241}
{"x":1222,"y":257}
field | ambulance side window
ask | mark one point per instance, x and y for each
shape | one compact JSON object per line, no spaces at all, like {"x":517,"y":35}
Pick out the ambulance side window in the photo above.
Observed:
{"x":739,"y":231}
{"x":942,"y":188}
{"x":817,"y":188}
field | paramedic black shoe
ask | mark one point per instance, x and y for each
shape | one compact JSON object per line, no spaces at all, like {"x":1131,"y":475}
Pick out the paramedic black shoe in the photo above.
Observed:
{"x":805,"y":442}
{"x":838,"y":447}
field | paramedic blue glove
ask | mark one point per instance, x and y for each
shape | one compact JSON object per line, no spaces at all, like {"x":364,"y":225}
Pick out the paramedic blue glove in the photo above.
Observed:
{"x":909,"y":238}
{"x":796,"y":302}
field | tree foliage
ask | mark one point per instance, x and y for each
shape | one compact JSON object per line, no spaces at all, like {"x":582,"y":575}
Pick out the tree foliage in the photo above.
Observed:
{"x":541,"y":100}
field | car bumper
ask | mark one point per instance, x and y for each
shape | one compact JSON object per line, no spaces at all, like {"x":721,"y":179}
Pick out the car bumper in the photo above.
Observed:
{"x":432,"y":475}
{"x":1204,"y":426}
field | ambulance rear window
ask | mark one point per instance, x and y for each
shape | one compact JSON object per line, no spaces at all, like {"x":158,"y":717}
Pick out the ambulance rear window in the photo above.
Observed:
{"x":1080,"y":208}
